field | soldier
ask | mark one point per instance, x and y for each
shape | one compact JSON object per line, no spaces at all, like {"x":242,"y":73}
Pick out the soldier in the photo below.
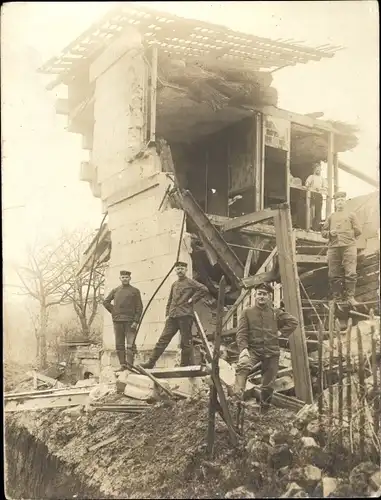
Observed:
{"x":342,"y":229}
{"x":318,"y":187}
{"x":179,"y":316}
{"x":126,"y":312}
{"x":257,"y":340}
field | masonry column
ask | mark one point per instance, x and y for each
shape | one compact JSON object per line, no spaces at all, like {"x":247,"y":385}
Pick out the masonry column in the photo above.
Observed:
{"x":132,"y":186}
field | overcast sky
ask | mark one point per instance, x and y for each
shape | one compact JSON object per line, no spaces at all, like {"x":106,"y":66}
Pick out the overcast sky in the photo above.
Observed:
{"x":41,"y":160}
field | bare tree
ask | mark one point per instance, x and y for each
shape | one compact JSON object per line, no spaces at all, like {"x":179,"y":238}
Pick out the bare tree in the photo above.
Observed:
{"x":51,"y":278}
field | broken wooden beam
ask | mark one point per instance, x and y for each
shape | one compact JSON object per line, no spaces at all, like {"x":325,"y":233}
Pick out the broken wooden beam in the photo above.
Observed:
{"x":105,"y":442}
{"x":143,"y":371}
{"x":290,"y":281}
{"x":46,"y":379}
{"x":258,"y":279}
{"x":34,"y":403}
{"x":248,"y":220}
{"x":311,"y":259}
{"x":178,"y":372}
{"x":227,"y":259}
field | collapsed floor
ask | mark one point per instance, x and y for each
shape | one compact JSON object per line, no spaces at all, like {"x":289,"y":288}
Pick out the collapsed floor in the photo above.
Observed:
{"x":161,"y":454}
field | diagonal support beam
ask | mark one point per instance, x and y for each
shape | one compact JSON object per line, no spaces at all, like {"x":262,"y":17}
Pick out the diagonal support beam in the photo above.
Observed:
{"x":293,"y":303}
{"x":248,"y":219}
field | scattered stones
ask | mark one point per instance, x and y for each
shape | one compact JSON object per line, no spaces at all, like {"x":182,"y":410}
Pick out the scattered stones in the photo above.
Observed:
{"x":294,"y":491}
{"x":258,"y":450}
{"x":330,"y":484}
{"x":280,"y":456}
{"x":240,"y":492}
{"x":375,"y":480}
{"x":360,"y":476}
{"x":308,"y":442}
{"x":312,"y":476}
{"x":278,"y":437}
{"x":283,"y":471}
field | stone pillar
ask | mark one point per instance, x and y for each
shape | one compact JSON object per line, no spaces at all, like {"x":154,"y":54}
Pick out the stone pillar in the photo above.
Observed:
{"x":144,"y":240}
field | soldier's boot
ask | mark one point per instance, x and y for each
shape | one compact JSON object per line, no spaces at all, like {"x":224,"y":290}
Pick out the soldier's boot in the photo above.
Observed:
{"x":122,"y":360}
{"x":350,"y":288}
{"x":336,"y":290}
{"x":130,"y":357}
{"x":239,"y":385}
{"x":156,"y":353}
{"x":266,"y":397}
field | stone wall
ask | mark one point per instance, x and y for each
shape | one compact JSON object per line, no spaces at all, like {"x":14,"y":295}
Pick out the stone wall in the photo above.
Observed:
{"x":132,"y":187}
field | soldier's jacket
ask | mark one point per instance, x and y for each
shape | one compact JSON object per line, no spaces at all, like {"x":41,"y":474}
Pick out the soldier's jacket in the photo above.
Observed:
{"x":181,"y":291}
{"x":127,"y":305}
{"x":347,"y":226}
{"x":258,"y":329}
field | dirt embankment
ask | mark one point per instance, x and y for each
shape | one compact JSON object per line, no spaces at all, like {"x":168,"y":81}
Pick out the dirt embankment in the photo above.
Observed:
{"x":161,"y":454}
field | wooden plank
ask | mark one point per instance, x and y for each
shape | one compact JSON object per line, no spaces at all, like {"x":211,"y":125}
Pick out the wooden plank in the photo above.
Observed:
{"x":217,"y":382}
{"x":258,"y":160}
{"x":335,"y":172}
{"x":358,"y":174}
{"x":153,"y":94}
{"x":292,"y":300}
{"x":215,"y":370}
{"x":46,"y":379}
{"x":228,"y":260}
{"x":258,"y":279}
{"x":330,"y":153}
{"x":248,"y":219}
{"x":105,"y":442}
{"x":311,"y":259}
{"x":249,"y":259}
{"x":245,"y":293}
{"x":46,"y":401}
{"x":178,"y":372}
{"x":143,"y":371}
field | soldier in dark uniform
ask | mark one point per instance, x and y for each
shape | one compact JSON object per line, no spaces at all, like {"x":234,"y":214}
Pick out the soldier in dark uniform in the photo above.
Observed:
{"x":126,"y":312}
{"x":342,"y":229}
{"x":179,"y":316}
{"x":257,"y":340}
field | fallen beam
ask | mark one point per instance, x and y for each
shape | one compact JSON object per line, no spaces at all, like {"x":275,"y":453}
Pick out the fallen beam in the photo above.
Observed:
{"x":178,"y":372}
{"x":248,"y":220}
{"x":360,"y":175}
{"x":252,"y":281}
{"x":45,"y":401}
{"x":103,"y":443}
{"x":46,"y":379}
{"x":311,"y":259}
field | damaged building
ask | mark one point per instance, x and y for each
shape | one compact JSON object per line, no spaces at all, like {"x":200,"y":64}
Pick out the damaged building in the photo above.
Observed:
{"x":192,"y":157}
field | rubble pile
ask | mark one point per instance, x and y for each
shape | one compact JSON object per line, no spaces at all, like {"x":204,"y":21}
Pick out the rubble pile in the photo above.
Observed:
{"x":161,"y":453}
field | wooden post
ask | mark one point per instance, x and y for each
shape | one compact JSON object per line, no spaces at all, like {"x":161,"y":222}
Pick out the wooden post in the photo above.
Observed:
{"x":340,"y":387}
{"x":362,"y":401}
{"x":335,"y":173}
{"x":376,"y":388}
{"x":331,"y":320}
{"x":259,"y":161}
{"x":308,"y":210}
{"x":320,"y":375}
{"x":152,"y":134}
{"x":216,"y":356}
{"x":331,"y":141}
{"x":349,"y":373}
{"x":293,"y":303}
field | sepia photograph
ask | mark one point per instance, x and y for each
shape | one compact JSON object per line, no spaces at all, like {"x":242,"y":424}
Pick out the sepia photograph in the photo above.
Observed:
{"x":191,"y":249}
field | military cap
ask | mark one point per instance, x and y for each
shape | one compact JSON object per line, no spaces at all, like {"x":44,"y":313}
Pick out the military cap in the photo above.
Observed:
{"x":181,"y":264}
{"x":265,"y":286}
{"x":125,"y":273}
{"x":340,"y":194}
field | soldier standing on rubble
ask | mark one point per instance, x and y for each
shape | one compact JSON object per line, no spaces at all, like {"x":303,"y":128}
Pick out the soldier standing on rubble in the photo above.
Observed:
{"x":257,"y":340}
{"x":342,"y":229}
{"x":126,"y":312}
{"x":179,"y":316}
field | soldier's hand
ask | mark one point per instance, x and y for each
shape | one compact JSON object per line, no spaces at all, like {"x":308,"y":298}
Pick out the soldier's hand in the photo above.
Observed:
{"x":244,"y":354}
